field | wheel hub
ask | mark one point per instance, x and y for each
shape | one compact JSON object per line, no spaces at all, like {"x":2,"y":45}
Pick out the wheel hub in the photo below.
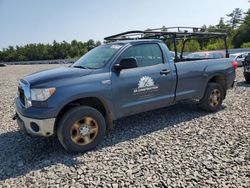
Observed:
{"x":84,"y":130}
{"x":215,"y":97}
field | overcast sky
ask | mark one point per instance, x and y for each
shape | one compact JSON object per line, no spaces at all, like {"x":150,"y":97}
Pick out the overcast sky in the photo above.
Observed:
{"x":42,"y":21}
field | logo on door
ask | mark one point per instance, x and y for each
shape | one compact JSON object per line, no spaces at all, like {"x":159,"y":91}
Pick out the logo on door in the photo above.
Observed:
{"x":146,"y":84}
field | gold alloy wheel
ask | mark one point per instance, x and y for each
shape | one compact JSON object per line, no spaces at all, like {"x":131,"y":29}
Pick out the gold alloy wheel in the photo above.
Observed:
{"x":84,"y":131}
{"x":215,"y":97}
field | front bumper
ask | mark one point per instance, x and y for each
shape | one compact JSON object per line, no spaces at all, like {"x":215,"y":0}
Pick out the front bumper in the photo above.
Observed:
{"x":36,"y":127}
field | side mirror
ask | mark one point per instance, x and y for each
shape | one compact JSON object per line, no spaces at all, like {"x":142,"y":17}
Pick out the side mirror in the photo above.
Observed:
{"x":126,"y":63}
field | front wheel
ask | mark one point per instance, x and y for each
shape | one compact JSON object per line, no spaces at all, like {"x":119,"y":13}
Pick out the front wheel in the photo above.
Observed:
{"x":212,"y":98}
{"x":81,"y":129}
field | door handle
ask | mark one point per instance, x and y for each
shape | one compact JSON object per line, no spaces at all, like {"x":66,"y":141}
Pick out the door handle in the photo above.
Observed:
{"x":165,"y":71}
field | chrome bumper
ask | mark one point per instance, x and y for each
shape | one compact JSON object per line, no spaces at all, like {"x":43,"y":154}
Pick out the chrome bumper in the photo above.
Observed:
{"x":37,"y":127}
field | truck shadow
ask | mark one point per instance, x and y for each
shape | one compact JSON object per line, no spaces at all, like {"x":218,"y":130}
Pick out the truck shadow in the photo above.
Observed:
{"x":21,"y":154}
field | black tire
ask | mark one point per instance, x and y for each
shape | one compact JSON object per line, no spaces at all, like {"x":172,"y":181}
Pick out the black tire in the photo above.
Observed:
{"x":64,"y":129}
{"x":206,"y":103}
{"x":247,"y":78}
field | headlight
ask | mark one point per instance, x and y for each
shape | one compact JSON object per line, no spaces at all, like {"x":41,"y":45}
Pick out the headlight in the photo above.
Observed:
{"x":41,"y":94}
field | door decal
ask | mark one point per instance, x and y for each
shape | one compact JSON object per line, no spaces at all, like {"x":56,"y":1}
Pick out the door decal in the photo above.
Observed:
{"x":146,"y":84}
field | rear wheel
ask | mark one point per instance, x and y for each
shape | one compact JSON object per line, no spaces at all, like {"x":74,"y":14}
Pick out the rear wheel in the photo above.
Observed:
{"x":81,"y":129}
{"x":212,"y":98}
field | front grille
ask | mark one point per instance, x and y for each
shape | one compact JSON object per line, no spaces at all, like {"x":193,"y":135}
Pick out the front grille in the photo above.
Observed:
{"x":21,"y":95}
{"x":23,"y":91}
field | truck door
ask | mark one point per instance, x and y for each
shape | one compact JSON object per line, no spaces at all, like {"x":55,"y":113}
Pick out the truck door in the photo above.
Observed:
{"x":149,"y":86}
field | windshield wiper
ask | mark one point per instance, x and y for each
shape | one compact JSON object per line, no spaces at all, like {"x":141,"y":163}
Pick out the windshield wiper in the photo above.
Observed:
{"x":80,"y":67}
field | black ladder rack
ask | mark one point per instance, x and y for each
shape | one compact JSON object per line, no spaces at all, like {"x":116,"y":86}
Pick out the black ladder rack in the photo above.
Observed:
{"x":159,"y":33}
{"x":173,"y":33}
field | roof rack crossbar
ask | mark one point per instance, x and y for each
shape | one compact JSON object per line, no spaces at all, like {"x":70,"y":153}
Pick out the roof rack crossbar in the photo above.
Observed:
{"x":178,"y":28}
{"x":152,"y":34}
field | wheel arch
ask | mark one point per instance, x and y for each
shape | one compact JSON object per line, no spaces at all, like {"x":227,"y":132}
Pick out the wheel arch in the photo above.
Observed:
{"x":220,"y":79}
{"x":93,"y":102}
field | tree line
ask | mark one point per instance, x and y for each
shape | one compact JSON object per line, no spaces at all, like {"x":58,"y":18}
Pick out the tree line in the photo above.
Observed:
{"x":56,"y":50}
{"x":236,"y":25}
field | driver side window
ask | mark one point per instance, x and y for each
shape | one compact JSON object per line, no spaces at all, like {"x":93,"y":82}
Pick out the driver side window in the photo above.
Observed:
{"x":145,"y":54}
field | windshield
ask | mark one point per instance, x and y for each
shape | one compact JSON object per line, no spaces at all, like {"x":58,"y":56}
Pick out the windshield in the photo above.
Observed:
{"x":97,"y":57}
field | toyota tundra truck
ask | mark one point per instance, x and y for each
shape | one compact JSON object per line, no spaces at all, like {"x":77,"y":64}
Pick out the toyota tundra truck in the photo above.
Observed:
{"x":119,"y":78}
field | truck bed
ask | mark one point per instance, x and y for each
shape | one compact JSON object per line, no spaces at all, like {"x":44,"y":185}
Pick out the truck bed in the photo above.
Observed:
{"x":192,"y":76}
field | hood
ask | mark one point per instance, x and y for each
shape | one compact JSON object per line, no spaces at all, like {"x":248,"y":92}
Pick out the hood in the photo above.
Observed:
{"x":55,"y":74}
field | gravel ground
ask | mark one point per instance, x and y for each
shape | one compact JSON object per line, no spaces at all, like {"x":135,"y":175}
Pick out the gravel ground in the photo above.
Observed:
{"x":178,"y":146}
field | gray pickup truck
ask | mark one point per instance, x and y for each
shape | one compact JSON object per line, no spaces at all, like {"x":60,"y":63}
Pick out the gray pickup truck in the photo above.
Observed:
{"x":117,"y":79}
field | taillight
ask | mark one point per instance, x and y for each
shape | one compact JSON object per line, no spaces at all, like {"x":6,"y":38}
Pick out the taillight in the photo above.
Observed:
{"x":235,"y":64}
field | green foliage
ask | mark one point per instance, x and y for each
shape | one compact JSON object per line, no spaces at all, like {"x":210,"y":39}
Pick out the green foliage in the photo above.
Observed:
{"x":242,"y":34}
{"x":215,"y":45}
{"x":63,"y":50}
{"x":220,"y":27}
{"x":190,"y":46}
{"x":245,"y":45}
